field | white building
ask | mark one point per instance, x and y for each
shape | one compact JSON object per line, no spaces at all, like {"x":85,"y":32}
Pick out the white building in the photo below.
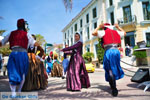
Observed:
{"x":84,"y":23}
{"x":132,"y":15}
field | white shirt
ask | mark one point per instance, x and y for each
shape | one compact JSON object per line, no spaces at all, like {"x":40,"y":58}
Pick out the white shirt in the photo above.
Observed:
{"x":31,"y":40}
{"x":101,"y":33}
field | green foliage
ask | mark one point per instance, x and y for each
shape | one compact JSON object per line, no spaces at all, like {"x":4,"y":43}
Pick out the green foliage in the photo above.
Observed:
{"x":5,"y":51}
{"x":100,"y":52}
{"x":139,"y":54}
{"x":88,"y":56}
{"x":135,"y":47}
{"x":1,"y":32}
{"x":40,"y":39}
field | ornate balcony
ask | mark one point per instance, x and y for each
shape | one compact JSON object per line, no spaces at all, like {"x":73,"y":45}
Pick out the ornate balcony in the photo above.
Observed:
{"x":127,"y":20}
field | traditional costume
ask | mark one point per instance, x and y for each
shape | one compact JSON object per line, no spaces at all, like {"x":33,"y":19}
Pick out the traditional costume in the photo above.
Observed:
{"x":36,"y":77}
{"x":77,"y":76}
{"x":113,"y":71}
{"x":49,"y":63}
{"x":57,"y":69}
{"x":65,"y":64}
{"x":18,"y":60}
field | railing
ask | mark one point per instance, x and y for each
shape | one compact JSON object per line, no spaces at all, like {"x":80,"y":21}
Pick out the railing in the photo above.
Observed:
{"x":126,"y":20}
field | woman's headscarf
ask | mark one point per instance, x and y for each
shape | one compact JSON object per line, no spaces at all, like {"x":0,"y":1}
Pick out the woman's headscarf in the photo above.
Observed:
{"x":80,"y":40}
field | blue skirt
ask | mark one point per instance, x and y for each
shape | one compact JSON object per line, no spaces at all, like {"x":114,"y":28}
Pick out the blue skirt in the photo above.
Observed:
{"x":65,"y":64}
{"x":18,"y":64}
{"x":111,"y":62}
{"x":49,"y":68}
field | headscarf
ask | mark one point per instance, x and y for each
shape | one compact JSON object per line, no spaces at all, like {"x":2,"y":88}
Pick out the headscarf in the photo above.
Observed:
{"x":80,"y":40}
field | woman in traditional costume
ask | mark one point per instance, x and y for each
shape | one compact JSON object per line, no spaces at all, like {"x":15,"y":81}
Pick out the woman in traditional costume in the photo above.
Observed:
{"x":57,"y":70}
{"x":77,"y":76}
{"x":35,"y":79}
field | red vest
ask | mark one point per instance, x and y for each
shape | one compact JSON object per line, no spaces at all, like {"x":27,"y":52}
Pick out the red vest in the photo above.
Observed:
{"x":18,"y":38}
{"x":111,"y":37}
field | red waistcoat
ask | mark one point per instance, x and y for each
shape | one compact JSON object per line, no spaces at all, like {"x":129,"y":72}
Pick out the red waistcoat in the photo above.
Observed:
{"x":18,"y":38}
{"x":111,"y":37}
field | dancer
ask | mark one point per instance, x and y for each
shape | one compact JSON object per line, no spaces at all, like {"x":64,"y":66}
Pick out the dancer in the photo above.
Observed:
{"x":111,"y":40}
{"x":65,"y":63}
{"x":35,"y":78}
{"x":49,"y":63}
{"x":18,"y":60}
{"x":77,"y":76}
{"x":57,"y":67}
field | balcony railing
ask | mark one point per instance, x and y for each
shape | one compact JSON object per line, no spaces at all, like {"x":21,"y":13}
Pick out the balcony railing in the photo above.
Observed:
{"x":127,"y":20}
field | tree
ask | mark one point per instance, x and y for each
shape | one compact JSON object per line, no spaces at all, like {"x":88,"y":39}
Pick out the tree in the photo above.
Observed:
{"x":1,"y":32}
{"x":88,"y":56}
{"x":5,"y":50}
{"x":40,"y":39}
{"x":100,"y":52}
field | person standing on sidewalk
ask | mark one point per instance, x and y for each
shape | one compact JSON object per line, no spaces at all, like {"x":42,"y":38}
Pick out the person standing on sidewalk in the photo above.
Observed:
{"x":111,"y":39}
{"x":18,"y":59}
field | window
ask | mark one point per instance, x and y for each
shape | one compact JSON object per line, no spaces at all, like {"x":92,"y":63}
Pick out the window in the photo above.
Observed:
{"x":65,"y":35}
{"x":94,"y":13}
{"x":87,"y":18}
{"x":75,"y":27}
{"x":81,"y":23}
{"x":112,"y":18}
{"x":127,"y":14}
{"x":88,"y":33}
{"x":146,"y":13}
{"x":65,"y":43}
{"x":95,"y":25}
{"x":68,"y":33}
{"x":88,"y":48}
{"x":68,"y":42}
{"x":71,"y":41}
{"x":81,"y":34}
{"x":110,"y":2}
{"x":148,"y":39}
{"x":71,"y":30}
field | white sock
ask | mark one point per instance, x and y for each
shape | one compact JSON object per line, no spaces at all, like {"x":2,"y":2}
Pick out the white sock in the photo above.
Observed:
{"x":13,"y":90}
{"x":21,"y":84}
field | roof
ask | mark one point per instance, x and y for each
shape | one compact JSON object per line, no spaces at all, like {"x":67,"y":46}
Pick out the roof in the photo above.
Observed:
{"x":78,"y":15}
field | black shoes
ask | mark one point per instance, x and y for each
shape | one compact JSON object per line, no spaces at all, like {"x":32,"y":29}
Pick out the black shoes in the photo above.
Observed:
{"x":115,"y":92}
{"x":63,"y":77}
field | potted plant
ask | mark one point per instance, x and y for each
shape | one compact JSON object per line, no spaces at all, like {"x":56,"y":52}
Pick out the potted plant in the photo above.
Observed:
{"x":141,"y":57}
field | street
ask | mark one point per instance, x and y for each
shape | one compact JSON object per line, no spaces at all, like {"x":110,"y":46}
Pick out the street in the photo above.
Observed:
{"x":99,"y":89}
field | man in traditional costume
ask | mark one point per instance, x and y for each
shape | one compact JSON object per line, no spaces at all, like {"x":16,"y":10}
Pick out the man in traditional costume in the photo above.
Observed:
{"x":18,"y":59}
{"x":111,"y":40}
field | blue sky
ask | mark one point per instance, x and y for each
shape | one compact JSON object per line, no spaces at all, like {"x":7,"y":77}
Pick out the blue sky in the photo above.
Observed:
{"x":45,"y":17}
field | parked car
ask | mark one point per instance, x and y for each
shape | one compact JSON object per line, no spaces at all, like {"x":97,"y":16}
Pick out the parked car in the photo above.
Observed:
{"x":89,"y":67}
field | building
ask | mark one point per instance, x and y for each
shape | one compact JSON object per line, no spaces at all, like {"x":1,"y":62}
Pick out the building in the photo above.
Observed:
{"x":132,"y":15}
{"x":84,"y":23}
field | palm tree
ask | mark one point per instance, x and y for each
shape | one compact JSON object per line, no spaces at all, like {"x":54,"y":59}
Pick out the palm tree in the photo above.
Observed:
{"x":68,"y":4}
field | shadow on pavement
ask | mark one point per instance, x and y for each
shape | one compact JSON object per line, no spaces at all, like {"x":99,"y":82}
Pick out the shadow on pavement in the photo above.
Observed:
{"x":4,"y":84}
{"x":134,"y":85}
